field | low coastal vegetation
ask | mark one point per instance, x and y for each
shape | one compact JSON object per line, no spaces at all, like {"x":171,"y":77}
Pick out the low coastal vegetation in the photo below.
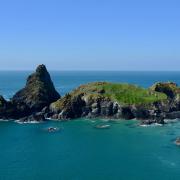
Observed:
{"x":122,"y":93}
{"x":125,"y":94}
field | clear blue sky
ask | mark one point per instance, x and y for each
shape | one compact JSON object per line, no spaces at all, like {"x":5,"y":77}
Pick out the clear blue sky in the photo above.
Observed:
{"x":90,"y":34}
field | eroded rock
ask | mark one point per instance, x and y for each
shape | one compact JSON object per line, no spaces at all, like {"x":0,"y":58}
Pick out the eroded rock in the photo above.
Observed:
{"x":38,"y":92}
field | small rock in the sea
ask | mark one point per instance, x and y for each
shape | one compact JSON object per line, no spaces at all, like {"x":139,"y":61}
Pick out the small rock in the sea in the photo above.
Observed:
{"x":177,"y":141}
{"x":52,"y":129}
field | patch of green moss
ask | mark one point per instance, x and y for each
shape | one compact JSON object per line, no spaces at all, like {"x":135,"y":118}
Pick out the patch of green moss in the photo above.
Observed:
{"x":61,"y":103}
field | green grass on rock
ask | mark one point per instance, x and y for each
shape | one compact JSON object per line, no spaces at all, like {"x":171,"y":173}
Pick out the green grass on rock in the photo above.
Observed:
{"x":122,"y":93}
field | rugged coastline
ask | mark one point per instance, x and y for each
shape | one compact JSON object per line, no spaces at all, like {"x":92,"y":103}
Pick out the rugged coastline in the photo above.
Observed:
{"x":39,"y":101}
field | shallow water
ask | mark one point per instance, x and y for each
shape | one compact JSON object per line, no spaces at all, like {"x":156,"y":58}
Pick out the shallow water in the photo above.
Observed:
{"x":80,"y":151}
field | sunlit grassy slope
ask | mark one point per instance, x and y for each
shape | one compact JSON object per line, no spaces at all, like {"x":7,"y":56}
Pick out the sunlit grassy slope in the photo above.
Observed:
{"x":122,"y":93}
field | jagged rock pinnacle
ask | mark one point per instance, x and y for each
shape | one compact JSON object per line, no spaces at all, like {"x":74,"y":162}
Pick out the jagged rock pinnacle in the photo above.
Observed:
{"x":39,"y":90}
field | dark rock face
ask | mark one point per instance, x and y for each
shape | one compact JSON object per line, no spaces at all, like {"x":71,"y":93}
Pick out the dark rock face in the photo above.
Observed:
{"x":38,"y":92}
{"x":127,"y":113}
{"x":69,"y":107}
{"x":82,"y":106}
{"x":7,"y":110}
{"x":39,"y":117}
{"x":26,"y":104}
{"x":169,"y":88}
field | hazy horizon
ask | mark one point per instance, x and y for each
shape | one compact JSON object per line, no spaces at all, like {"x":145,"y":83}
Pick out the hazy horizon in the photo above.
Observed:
{"x":91,"y":70}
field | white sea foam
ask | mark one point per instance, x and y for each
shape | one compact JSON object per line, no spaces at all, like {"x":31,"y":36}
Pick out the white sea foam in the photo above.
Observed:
{"x":144,"y":125}
{"x":171,"y":120}
{"x":4,"y":120}
{"x":51,"y":119}
{"x":157,"y":124}
{"x":27,"y":122}
{"x":150,"y":125}
{"x":93,"y":121}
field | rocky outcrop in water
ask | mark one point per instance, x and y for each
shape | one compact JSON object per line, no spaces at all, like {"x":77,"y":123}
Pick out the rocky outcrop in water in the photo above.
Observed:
{"x":70,"y":107}
{"x":87,"y":101}
{"x":27,"y":103}
{"x":6,"y":109}
{"x":39,"y":100}
{"x":38,"y":92}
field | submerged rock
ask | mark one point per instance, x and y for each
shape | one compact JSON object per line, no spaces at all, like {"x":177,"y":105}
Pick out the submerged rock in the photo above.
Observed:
{"x":38,"y":92}
{"x":177,"y":141}
{"x":52,"y":129}
{"x":159,"y":121}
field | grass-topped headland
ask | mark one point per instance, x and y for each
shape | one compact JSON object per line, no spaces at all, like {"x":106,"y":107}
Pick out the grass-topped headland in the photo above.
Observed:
{"x":119,"y":92}
{"x":124,"y":94}
{"x":106,"y":99}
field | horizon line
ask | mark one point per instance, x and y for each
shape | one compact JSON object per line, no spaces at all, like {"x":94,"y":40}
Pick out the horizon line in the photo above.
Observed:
{"x":93,"y":70}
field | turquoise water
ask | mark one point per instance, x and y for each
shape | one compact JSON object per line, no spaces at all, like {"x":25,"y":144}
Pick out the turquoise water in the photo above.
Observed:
{"x":81,"y":152}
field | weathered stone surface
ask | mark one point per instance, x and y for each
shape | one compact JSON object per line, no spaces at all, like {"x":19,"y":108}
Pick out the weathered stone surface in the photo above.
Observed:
{"x":169,"y":88}
{"x":27,"y":103}
{"x":38,"y":92}
{"x":39,"y":117}
{"x":106,"y":108}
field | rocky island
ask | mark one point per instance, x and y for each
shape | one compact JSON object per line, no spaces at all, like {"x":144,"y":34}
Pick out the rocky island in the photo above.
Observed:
{"x":39,"y":101}
{"x":30,"y":102}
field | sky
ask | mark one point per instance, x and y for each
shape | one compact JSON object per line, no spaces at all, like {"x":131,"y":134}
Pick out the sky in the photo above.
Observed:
{"x":133,"y":35}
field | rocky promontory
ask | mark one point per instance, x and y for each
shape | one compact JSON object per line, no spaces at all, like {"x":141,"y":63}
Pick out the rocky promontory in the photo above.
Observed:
{"x":120,"y":101}
{"x":27,"y":104}
{"x":39,"y":100}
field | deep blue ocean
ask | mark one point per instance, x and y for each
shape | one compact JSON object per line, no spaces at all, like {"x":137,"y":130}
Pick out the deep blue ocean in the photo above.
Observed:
{"x":78,"y":151}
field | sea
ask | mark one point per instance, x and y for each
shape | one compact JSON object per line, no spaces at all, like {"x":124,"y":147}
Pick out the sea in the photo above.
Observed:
{"x":79,"y":151}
